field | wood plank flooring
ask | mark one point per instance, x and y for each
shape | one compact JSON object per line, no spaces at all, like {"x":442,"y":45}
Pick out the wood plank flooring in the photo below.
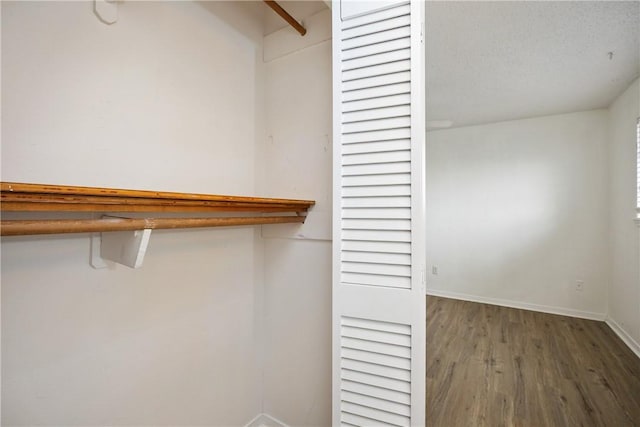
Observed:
{"x":497,"y":366}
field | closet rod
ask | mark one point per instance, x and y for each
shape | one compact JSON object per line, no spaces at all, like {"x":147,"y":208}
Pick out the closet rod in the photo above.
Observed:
{"x":285,"y":15}
{"x":51,"y":226}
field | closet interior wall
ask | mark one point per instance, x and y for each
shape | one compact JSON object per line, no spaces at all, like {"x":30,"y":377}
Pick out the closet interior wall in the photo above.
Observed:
{"x":168,"y":98}
{"x":297,"y":153}
{"x":218,"y":325}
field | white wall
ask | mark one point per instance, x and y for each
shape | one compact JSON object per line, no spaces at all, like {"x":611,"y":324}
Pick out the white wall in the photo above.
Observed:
{"x":517,"y":212}
{"x":163,"y":99}
{"x":624,"y":290}
{"x":297,"y":162}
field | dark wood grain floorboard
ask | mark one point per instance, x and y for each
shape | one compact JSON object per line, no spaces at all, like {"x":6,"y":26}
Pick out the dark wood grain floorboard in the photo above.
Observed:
{"x":496,"y":366}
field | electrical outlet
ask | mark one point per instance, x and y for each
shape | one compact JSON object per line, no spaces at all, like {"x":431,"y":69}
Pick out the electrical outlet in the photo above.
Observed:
{"x":579,"y":285}
{"x":434,"y":270}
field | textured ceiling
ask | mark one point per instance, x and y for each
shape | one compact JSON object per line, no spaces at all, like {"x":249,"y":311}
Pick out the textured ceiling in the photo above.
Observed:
{"x":495,"y":61}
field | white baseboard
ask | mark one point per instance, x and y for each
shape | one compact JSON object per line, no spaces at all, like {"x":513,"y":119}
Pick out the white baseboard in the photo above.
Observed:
{"x":265,"y":420}
{"x":624,"y":336}
{"x":517,"y":304}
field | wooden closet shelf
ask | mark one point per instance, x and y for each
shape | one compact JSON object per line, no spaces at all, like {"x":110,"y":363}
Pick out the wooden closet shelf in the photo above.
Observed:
{"x":23,"y":197}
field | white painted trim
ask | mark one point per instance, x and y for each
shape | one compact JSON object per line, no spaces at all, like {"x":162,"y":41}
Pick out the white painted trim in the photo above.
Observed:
{"x":265,"y":420}
{"x":418,"y":218}
{"x":624,"y":336}
{"x":521,"y":305}
{"x":336,"y":54}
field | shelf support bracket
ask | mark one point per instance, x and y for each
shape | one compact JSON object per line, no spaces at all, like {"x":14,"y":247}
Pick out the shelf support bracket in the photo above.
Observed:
{"x":95,"y":260}
{"x":123,"y":247}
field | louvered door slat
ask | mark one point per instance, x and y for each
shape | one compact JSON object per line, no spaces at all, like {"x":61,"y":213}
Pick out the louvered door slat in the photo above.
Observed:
{"x":393,"y":407}
{"x":377,"y":190}
{"x":377,"y":169}
{"x":376,"y":224}
{"x":380,"y":247}
{"x":377,"y":235}
{"x":376,"y":335}
{"x":383,"y":147}
{"x":377,"y":414}
{"x":363,"y":180}
{"x":377,"y":380}
{"x":376,"y":136}
{"x":379,"y":124}
{"x":372,"y":158}
{"x":377,"y":80}
{"x":380,"y":393}
{"x":376,"y":358}
{"x":376,"y":347}
{"x":371,"y":93}
{"x":377,"y":70}
{"x":379,"y":280}
{"x":378,"y":48}
{"x":389,"y":11}
{"x":375,"y":103}
{"x":376,"y":113}
{"x":379,"y":370}
{"x":376,"y":268}
{"x":383,"y":25}
{"x":376,"y":325}
{"x":402,"y":31}
{"x":376,"y":202}
{"x":380,"y":58}
{"x":379,"y":257}
{"x":348,"y":419}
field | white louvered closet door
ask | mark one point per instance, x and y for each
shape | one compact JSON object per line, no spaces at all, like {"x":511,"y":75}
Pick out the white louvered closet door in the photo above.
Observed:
{"x":379,"y":310}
